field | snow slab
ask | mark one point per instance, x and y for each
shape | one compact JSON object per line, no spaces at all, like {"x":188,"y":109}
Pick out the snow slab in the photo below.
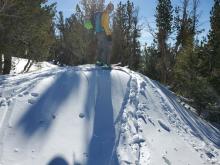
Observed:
{"x":86,"y":115}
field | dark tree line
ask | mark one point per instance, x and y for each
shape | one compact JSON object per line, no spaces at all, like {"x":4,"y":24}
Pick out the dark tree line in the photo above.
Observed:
{"x":25,"y":31}
{"x":190,"y":67}
{"x":32,"y":29}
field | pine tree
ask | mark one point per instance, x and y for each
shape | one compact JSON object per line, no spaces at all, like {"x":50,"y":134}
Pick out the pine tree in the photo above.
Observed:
{"x":27,"y":31}
{"x":9,"y":17}
{"x":126,"y":33}
{"x":185,"y":25}
{"x":150,"y":58}
{"x":214,"y":46}
{"x":75,"y":44}
{"x":136,"y":49}
{"x":119,"y":40}
{"x":164,"y":19}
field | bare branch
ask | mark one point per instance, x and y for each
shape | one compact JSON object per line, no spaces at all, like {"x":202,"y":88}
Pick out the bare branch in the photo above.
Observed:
{"x":10,"y":15}
{"x":151,"y":30}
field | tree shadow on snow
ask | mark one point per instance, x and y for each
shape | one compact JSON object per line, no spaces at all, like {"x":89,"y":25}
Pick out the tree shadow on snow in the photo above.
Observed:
{"x":200,"y":128}
{"x":41,"y":114}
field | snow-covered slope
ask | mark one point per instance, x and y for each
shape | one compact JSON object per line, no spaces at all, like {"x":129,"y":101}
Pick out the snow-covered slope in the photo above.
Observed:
{"x":87,"y":115}
{"x":18,"y":65}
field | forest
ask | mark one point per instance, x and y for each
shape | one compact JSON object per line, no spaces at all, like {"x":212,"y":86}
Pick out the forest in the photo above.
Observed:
{"x":177,"y":58}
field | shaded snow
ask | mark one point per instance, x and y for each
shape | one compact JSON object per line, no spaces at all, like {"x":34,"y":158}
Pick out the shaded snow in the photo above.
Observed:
{"x":86,"y":115}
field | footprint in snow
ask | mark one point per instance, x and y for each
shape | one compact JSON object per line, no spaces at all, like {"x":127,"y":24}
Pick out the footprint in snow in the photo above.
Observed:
{"x":164,"y":126}
{"x":150,"y":120}
{"x":20,"y":95}
{"x":210,"y":155}
{"x":31,"y":101}
{"x":16,"y":150}
{"x":143,"y":93}
{"x":25,"y":93}
{"x":34,"y":94}
{"x":166,"y":160}
{"x":81,"y":115}
{"x":3,"y":103}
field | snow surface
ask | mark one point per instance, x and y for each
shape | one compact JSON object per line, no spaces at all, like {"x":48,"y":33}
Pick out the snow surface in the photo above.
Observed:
{"x":89,"y":116}
{"x":18,"y":65}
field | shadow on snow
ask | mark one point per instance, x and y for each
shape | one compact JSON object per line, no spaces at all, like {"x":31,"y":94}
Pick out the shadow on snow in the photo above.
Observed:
{"x":101,"y":147}
{"x":200,"y":128}
{"x":39,"y":116}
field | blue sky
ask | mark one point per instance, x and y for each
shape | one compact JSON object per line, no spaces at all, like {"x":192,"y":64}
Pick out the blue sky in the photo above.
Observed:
{"x":146,"y":13}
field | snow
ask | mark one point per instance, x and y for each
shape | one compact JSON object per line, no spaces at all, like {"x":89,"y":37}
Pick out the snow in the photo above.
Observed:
{"x":87,"y":115}
{"x":18,"y":65}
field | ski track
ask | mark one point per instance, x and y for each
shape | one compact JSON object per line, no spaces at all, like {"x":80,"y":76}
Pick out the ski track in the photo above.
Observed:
{"x":130,"y":146}
{"x":133,"y":148}
{"x":18,"y":87}
{"x":199,"y":134}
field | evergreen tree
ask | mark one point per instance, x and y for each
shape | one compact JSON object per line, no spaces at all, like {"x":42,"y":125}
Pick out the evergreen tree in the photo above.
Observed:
{"x":150,"y":58}
{"x":164,"y":19}
{"x":119,"y":52}
{"x":26,"y":31}
{"x":126,"y":33}
{"x":136,"y":49}
{"x":75,"y":44}
{"x":214,"y":46}
{"x":185,"y":25}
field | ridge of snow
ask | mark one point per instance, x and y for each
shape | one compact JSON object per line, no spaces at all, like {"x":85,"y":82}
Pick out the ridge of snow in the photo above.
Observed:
{"x":87,"y":115}
{"x":18,"y":65}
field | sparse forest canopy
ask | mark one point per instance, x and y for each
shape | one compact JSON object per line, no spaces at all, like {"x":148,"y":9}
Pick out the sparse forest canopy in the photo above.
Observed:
{"x":190,"y":67}
{"x":34,"y":30}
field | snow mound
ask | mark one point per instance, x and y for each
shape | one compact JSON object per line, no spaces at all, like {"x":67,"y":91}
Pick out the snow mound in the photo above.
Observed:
{"x":90,"y":116}
{"x":18,"y":65}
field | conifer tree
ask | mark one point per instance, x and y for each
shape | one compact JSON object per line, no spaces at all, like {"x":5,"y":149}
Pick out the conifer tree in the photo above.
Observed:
{"x":26,"y":31}
{"x":164,"y":19}
{"x":214,"y":45}
{"x":126,"y":33}
{"x":119,"y":39}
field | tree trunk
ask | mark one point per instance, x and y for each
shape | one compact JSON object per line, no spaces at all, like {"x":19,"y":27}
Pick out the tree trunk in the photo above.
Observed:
{"x":163,"y":51}
{"x":0,"y":64}
{"x":7,"y":64}
{"x":26,"y":66}
{"x":30,"y":66}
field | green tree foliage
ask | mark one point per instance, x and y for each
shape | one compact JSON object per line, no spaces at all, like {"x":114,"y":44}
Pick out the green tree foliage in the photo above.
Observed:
{"x":119,"y":51}
{"x":189,"y":67}
{"x":191,"y":81}
{"x":75,"y":44}
{"x":214,"y":46}
{"x":74,"y":41}
{"x":126,"y":33}
{"x":185,"y":24}
{"x":164,"y":19}
{"x":26,"y":28}
{"x":150,"y":58}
